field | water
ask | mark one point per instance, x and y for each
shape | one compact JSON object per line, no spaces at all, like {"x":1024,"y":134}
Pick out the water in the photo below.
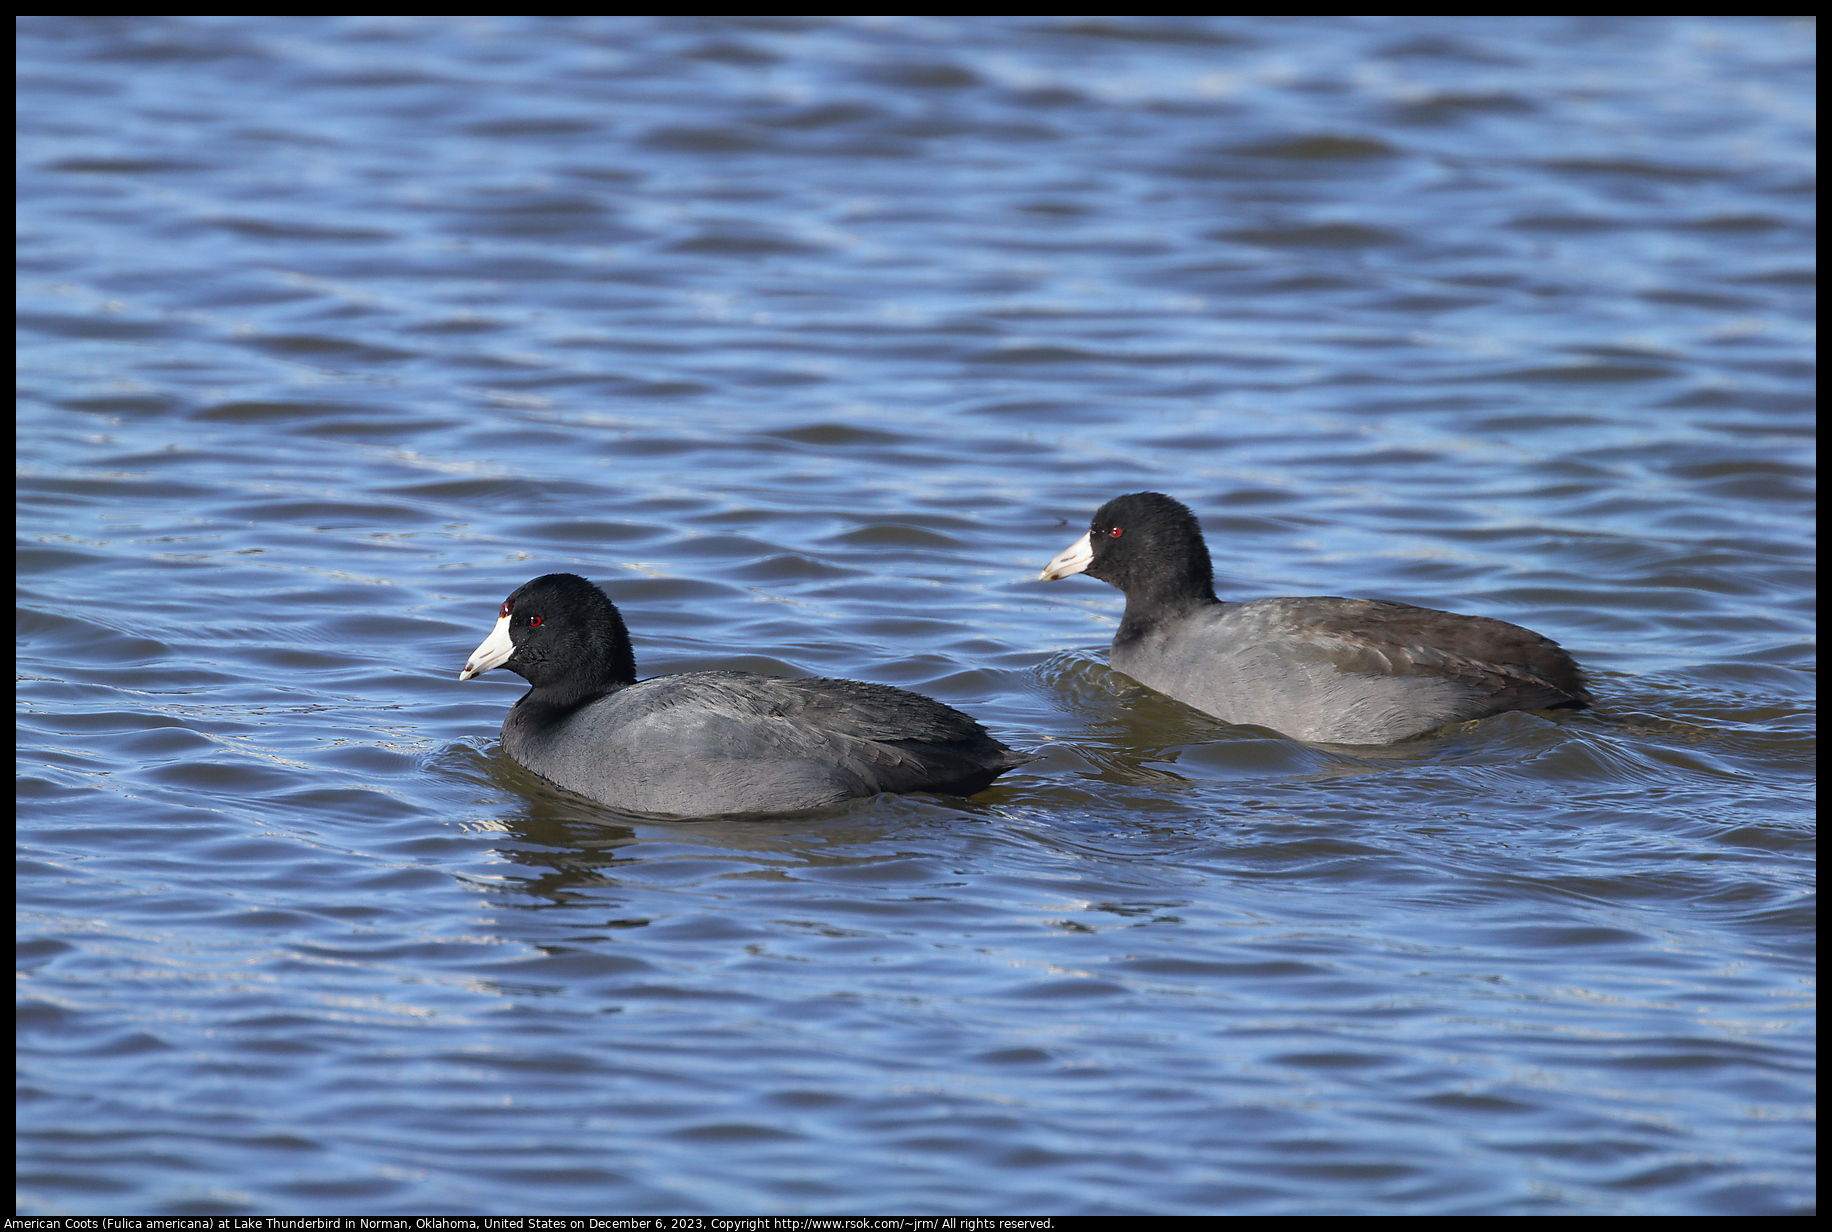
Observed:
{"x":814,"y":339}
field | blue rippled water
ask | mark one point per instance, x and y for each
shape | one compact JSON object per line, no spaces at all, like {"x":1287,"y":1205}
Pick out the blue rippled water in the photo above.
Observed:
{"x":813,"y":339}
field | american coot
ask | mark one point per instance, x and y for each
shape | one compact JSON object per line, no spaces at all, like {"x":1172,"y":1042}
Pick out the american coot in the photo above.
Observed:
{"x":1346,"y":671}
{"x":710,"y":742}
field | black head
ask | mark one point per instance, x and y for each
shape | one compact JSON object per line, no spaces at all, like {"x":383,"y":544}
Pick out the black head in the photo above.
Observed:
{"x":1148,"y":545}
{"x":562,"y":635}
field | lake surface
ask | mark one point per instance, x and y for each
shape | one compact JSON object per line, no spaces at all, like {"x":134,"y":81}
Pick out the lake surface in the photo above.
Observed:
{"x":812,"y":340}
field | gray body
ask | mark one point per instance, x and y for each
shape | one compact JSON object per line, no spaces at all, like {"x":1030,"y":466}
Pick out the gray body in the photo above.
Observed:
{"x":1345,"y":671}
{"x":732,"y":742}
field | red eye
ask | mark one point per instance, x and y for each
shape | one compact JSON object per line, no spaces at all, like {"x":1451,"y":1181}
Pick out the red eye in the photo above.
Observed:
{"x":534,"y":622}
{"x":1115,"y":532}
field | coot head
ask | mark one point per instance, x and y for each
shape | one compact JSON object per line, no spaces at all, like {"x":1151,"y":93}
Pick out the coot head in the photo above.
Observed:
{"x":562,"y":635}
{"x":1145,"y":543}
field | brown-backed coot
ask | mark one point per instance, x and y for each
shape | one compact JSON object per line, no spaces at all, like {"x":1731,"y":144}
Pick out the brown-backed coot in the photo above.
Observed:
{"x":1346,"y":671}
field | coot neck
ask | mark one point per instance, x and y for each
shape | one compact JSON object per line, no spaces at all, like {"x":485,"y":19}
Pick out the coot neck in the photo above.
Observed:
{"x":1147,"y":609}
{"x":545,"y":706}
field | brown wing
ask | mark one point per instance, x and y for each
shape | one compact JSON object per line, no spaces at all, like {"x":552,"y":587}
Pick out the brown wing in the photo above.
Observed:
{"x":1519,"y":668}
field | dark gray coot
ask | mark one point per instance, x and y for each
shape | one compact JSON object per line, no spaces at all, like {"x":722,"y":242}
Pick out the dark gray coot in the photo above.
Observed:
{"x":1344,"y":671}
{"x":702,"y":743}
